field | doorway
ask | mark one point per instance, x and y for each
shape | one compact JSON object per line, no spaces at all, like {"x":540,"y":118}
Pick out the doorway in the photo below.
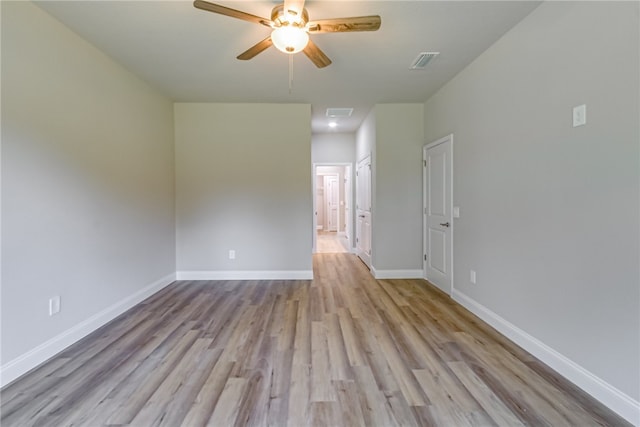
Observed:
{"x":363,"y":210}
{"x":333,"y":218}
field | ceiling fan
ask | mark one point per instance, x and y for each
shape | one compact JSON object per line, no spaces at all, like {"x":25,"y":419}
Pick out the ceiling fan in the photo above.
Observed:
{"x":291,"y":28}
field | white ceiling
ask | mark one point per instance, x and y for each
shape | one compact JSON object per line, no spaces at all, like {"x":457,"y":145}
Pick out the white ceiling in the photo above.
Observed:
{"x":190,"y":54}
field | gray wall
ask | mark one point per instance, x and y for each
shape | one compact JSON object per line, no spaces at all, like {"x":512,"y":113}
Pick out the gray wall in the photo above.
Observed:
{"x":393,"y":135}
{"x":333,"y":147}
{"x":550,"y":213}
{"x":87,"y":183}
{"x":397,"y":241}
{"x":244,"y":185}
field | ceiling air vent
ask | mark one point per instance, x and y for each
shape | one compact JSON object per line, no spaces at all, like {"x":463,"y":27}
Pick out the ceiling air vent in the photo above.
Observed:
{"x":339,"y":112}
{"x":422,"y":60}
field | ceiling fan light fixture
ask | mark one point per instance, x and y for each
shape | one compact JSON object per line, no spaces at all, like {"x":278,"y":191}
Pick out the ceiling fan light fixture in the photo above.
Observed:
{"x":290,"y":39}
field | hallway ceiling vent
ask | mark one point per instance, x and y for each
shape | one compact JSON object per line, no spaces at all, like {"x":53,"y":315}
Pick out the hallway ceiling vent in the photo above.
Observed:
{"x":339,"y":112}
{"x":421,"y":61}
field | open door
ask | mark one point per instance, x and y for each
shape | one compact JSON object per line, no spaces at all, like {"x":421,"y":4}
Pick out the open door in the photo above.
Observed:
{"x":363,"y":210}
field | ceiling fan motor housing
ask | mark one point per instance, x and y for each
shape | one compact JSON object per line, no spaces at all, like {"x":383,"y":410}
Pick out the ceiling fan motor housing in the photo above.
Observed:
{"x":281,"y":18}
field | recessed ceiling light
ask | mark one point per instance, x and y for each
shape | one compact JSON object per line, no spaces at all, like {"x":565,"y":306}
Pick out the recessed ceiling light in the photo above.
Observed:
{"x":333,"y":124}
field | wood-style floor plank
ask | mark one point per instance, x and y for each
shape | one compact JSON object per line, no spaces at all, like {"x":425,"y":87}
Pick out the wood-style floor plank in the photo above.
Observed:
{"x":343,"y":349}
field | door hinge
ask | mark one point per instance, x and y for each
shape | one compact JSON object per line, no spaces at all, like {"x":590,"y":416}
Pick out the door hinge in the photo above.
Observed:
{"x":425,"y":163}
{"x":425,"y":257}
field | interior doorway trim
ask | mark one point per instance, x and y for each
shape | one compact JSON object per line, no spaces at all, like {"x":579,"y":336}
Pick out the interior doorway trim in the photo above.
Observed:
{"x":348,"y":201}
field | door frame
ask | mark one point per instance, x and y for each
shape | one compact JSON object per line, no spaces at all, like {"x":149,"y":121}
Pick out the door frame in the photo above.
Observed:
{"x":425,"y":228}
{"x":348,"y":169}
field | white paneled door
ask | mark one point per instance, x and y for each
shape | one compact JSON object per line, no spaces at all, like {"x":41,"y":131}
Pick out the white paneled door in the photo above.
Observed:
{"x":363,"y":210}
{"x":438,"y":224}
{"x":332,"y":196}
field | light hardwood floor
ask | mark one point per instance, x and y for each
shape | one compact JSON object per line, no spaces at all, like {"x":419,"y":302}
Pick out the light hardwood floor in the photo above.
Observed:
{"x":329,"y":242}
{"x":341,"y":350}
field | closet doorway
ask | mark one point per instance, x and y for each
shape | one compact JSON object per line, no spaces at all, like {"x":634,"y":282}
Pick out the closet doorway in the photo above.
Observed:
{"x":333,"y":218}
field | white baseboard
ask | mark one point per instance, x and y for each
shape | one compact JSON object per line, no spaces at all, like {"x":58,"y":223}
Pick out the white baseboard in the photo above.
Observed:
{"x":246,"y":275}
{"x":396,"y":274}
{"x":34,"y":357}
{"x":614,"y":399}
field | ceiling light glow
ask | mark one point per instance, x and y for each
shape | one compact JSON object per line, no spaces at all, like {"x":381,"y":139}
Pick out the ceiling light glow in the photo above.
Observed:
{"x":290,"y":39}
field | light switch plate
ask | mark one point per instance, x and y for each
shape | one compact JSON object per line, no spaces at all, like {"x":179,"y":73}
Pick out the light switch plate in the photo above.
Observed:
{"x":54,"y":305}
{"x":579,"y":115}
{"x":456,"y":212}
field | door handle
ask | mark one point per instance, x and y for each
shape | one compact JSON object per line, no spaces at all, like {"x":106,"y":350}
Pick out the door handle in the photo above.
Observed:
{"x":446,"y":224}
{"x":361,"y":216}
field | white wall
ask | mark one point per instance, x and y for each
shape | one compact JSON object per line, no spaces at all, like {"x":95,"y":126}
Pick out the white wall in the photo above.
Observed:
{"x":333,"y":147}
{"x":397,"y":229}
{"x":366,"y":139}
{"x":244,"y":185}
{"x":550,"y":213}
{"x":87,"y":188}
{"x":393,"y":135}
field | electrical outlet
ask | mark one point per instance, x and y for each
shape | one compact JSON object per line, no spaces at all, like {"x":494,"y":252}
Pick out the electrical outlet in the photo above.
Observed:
{"x":54,"y":305}
{"x":472,"y":276}
{"x":232,"y":254}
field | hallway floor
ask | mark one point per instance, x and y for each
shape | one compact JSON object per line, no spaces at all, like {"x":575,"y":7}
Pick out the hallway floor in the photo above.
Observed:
{"x":330,"y":242}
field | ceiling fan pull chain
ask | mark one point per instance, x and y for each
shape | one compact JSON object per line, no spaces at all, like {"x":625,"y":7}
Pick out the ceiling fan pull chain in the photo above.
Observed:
{"x":290,"y":73}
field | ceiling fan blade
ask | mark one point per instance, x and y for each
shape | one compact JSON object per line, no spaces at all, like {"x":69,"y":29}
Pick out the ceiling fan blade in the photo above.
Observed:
{"x":256,"y":49}
{"x":222,"y":10}
{"x":343,"y":25}
{"x":294,"y":7}
{"x":316,"y":56}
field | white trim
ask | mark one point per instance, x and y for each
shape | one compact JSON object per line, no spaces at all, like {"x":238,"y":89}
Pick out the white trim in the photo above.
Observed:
{"x":34,"y":357}
{"x":396,"y":274}
{"x":348,"y":168}
{"x":614,"y":399}
{"x":246,"y":275}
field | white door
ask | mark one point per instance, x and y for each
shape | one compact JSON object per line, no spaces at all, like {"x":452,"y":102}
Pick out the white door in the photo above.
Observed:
{"x":348,"y":225}
{"x":363,"y":210}
{"x":332,"y":194}
{"x":438,"y":224}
